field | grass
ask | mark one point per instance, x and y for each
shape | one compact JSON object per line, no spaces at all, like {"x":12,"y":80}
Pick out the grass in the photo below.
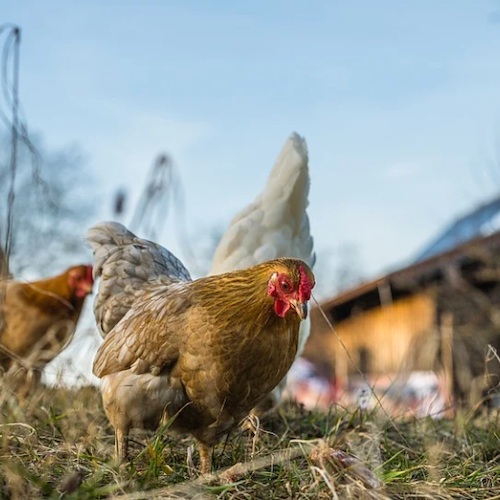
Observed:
{"x":59,"y":444}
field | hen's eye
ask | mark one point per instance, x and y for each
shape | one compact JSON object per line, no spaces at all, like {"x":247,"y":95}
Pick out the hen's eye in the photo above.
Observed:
{"x":285,"y":286}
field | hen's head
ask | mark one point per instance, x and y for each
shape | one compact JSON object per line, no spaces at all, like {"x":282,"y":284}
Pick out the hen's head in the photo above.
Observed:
{"x":290,"y":285}
{"x":80,"y":280}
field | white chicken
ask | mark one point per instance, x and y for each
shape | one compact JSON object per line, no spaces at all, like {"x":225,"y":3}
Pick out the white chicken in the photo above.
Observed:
{"x":275,"y":225}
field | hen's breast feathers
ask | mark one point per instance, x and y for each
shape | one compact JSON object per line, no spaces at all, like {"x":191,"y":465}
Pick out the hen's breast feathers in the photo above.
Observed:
{"x":125,"y":263}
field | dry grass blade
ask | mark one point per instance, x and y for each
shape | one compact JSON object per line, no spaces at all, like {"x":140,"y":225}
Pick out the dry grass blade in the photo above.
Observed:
{"x":194,"y":488}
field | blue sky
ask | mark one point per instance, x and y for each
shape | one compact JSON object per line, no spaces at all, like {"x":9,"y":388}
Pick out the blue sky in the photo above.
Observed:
{"x":399,"y":103}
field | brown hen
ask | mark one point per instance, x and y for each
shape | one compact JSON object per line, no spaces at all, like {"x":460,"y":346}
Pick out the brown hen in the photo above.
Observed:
{"x":39,"y":318}
{"x":203,"y":352}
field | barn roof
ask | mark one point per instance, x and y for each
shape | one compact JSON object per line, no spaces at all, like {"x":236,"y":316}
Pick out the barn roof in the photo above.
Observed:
{"x":478,"y":228}
{"x":421,"y":271}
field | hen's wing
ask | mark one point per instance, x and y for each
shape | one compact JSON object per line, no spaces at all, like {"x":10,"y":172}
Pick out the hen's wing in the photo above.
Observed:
{"x":125,"y":263}
{"x":276,"y":223}
{"x":147,"y":338}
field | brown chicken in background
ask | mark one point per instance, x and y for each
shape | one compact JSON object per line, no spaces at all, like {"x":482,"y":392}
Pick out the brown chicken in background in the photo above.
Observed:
{"x":203,"y":352}
{"x":39,"y":319}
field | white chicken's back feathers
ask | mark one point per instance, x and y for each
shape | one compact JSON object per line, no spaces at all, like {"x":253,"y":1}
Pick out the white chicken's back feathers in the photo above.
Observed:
{"x":125,"y":263}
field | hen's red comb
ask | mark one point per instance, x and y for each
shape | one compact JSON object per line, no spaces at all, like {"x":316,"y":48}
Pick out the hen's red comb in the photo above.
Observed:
{"x":305,"y":285}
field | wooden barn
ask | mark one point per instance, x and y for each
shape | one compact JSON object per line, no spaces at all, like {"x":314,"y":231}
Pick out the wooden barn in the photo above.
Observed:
{"x":440,"y":313}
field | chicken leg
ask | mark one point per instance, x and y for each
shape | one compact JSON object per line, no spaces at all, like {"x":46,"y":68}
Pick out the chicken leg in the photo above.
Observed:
{"x":205,"y":457}
{"x":121,"y":444}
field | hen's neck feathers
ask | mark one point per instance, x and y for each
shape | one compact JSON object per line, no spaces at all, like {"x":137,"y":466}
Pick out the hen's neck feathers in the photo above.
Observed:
{"x":52,"y":295}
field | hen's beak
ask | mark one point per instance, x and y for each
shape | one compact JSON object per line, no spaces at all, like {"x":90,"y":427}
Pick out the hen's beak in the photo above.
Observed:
{"x":86,"y":288}
{"x":300,"y":308}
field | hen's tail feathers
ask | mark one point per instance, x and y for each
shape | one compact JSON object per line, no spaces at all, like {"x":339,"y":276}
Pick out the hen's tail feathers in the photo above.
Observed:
{"x":289,"y":177}
{"x":125,"y":263}
{"x":276,"y":223}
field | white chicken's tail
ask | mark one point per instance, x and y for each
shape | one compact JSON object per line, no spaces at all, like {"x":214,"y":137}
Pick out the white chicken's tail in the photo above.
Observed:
{"x":276,"y":223}
{"x":289,"y":178}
